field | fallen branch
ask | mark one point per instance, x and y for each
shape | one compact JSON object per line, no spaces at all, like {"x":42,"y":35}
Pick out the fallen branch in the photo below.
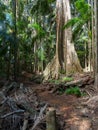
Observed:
{"x":8,"y":88}
{"x":8,"y":100}
{"x":25,"y":124}
{"x":11,"y":113}
{"x":39,"y":118}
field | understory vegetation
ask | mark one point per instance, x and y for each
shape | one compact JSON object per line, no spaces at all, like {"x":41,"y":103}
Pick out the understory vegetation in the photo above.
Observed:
{"x":48,"y":64}
{"x":28,"y":35}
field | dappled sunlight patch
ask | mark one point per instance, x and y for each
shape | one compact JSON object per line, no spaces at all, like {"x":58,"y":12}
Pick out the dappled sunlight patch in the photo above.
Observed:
{"x":65,"y":108}
{"x":80,"y":124}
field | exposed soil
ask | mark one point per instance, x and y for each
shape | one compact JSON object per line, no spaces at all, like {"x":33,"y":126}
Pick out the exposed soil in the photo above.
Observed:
{"x":68,"y":107}
{"x":73,"y":113}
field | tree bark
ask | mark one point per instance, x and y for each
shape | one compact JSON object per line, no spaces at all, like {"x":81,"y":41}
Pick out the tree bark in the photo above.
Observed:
{"x":15,"y":37}
{"x":66,"y":59}
{"x":96,"y":41}
{"x":93,"y":38}
{"x":51,"y":120}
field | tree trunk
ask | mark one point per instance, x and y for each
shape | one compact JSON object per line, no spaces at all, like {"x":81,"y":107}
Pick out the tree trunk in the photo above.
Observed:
{"x":93,"y":37}
{"x":96,"y":41}
{"x":66,"y":59}
{"x":15,"y":39}
{"x":89,"y":67}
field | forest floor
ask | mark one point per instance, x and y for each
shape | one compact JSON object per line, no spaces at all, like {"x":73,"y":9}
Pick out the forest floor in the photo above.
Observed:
{"x":23,"y":105}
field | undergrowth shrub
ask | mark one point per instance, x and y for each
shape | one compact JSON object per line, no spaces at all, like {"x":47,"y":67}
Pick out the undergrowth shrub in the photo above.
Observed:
{"x":74,"y":91}
{"x":67,"y":79}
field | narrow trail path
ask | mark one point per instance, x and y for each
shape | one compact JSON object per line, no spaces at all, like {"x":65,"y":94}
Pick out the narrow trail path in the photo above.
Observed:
{"x":67,"y":107}
{"x":72,"y":112}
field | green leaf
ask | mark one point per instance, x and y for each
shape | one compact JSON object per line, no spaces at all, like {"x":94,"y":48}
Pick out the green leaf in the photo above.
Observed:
{"x":71,"y":22}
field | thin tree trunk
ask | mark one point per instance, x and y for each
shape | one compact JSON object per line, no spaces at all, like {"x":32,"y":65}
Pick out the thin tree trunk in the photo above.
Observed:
{"x":35,"y":58}
{"x":85,"y":46}
{"x":93,"y":38}
{"x":15,"y":42}
{"x":96,"y":41}
{"x":90,"y":68}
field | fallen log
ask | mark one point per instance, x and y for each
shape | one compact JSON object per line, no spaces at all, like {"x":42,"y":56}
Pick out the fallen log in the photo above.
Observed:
{"x":11,"y":113}
{"x":80,"y":82}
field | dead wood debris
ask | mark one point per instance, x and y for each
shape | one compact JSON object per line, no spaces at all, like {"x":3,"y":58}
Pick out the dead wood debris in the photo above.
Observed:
{"x":85,"y":83}
{"x":20,"y":108}
{"x":13,"y":107}
{"x":81,"y":82}
{"x":39,"y":118}
{"x":92,"y":102}
{"x":25,"y":123}
{"x":11,"y":113}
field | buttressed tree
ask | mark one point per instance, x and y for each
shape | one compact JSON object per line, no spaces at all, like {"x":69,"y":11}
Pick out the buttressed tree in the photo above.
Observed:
{"x":65,"y":59}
